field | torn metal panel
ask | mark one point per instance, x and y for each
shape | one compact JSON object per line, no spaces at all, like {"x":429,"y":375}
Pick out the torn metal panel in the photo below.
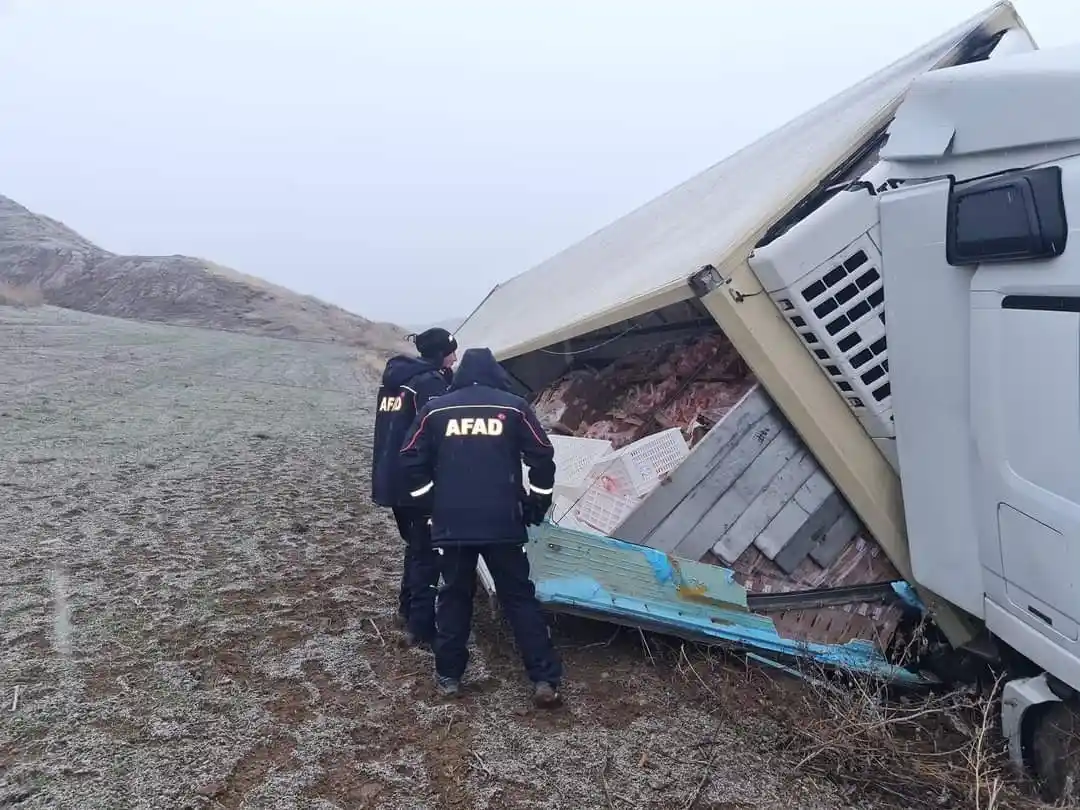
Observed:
{"x":860,"y":563}
{"x":637,"y":586}
{"x":750,"y":481}
{"x":752,"y":495}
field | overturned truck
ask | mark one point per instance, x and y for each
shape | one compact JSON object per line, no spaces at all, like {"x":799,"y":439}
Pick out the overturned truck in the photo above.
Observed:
{"x":727,"y":461}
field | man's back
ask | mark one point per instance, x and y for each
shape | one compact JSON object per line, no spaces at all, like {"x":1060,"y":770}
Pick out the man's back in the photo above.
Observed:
{"x":468,"y":446}
{"x":407,"y":384}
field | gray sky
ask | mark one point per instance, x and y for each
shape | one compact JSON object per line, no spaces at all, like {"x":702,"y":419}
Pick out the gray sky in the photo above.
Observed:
{"x":400,"y":158}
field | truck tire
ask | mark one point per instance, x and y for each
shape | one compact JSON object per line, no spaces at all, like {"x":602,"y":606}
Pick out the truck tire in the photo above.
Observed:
{"x":1055,"y":752}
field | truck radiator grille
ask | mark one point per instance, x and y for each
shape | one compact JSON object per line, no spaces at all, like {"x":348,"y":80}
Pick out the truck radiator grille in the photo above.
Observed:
{"x":839,"y":311}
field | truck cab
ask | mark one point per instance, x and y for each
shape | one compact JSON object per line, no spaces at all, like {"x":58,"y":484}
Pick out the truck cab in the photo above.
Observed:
{"x":940,"y":293}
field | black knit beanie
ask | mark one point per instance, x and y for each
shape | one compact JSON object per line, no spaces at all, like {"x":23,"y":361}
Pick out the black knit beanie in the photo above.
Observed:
{"x":435,"y":344}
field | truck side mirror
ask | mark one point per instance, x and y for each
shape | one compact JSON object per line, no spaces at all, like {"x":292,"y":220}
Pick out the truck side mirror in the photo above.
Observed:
{"x":1018,"y":216}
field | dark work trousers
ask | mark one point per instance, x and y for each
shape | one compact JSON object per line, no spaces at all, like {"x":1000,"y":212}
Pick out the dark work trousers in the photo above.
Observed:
{"x":420,"y":573}
{"x":509,"y":567}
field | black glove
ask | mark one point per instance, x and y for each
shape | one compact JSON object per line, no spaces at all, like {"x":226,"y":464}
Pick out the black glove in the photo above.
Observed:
{"x":535,"y":508}
{"x":528,"y":513}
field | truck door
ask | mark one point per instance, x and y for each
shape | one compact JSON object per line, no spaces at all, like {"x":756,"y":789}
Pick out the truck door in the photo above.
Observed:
{"x":1011,"y":230}
{"x":982,"y":304}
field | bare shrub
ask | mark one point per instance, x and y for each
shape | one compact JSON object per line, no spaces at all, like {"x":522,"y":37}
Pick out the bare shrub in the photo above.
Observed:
{"x":937,"y":749}
{"x":23,"y":296}
{"x":912,"y":750}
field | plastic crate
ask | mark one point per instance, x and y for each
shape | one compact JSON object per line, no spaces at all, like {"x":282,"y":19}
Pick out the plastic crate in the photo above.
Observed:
{"x":564,"y":514}
{"x":604,"y":511}
{"x":637,"y":469}
{"x":574,"y":460}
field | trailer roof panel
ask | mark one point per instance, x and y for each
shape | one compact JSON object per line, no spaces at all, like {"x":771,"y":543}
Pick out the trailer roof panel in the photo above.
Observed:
{"x":641,"y":262}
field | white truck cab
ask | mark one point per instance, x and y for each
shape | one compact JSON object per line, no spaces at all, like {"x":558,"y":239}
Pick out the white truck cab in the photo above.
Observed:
{"x":940,"y":293}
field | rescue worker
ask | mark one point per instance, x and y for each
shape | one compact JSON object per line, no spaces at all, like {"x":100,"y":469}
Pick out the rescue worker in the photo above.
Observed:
{"x":464,"y":457}
{"x":407,"y":385}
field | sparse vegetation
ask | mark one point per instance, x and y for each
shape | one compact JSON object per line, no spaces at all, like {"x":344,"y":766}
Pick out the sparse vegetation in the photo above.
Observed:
{"x":928,"y":750}
{"x":20,"y":295}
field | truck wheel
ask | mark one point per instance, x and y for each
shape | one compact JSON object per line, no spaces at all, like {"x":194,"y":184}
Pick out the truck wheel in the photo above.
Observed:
{"x":1055,"y":752}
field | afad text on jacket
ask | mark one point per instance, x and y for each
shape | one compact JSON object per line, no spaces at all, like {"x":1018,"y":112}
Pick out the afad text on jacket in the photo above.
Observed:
{"x":464,"y":455}
{"x":407,"y":385}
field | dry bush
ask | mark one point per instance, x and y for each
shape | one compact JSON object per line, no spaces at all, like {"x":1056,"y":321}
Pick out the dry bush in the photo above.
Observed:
{"x":21,"y":295}
{"x":915,"y":750}
{"x":939,"y":750}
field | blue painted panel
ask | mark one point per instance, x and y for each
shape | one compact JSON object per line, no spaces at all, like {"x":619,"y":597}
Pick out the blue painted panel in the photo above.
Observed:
{"x":639,"y":586}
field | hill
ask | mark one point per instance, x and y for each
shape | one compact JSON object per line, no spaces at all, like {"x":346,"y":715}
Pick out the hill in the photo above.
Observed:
{"x":70,"y":271}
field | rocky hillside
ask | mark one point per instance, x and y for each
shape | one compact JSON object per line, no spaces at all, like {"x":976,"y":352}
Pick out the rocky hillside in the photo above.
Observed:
{"x":70,"y":271}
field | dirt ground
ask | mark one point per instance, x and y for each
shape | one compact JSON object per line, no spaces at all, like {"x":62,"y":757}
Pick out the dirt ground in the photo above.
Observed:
{"x":196,"y":603}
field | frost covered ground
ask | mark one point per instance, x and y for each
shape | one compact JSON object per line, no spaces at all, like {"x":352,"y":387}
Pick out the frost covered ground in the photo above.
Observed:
{"x":196,"y":602}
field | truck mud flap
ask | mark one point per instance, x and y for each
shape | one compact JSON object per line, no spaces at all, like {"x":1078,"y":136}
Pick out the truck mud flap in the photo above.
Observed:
{"x":636,"y":586}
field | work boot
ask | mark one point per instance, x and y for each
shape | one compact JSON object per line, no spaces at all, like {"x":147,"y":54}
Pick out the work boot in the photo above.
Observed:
{"x":545,"y":695}
{"x":448,"y":687}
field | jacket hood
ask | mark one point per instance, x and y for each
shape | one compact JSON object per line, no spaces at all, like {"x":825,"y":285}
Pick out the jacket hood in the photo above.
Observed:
{"x":403,"y":368}
{"x":479,"y":367}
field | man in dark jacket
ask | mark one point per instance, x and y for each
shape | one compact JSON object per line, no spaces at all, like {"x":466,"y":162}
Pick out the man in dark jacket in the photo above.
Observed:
{"x":407,"y":385}
{"x":463,"y":457}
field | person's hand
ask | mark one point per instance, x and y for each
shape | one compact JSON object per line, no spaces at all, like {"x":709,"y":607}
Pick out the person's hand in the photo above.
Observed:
{"x":536,"y":508}
{"x":528,"y":513}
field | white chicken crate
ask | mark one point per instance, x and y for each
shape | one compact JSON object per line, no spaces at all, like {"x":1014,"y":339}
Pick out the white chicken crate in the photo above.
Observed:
{"x":604,"y":511}
{"x":564,"y":514}
{"x":574,"y":459}
{"x":637,"y":469}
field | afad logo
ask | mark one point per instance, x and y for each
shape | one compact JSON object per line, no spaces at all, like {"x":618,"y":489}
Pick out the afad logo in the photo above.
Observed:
{"x":468,"y":426}
{"x":391,"y":403}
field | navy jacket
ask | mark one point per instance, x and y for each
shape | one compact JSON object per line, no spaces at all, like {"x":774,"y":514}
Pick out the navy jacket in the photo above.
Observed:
{"x":407,"y":384}
{"x":464,"y":455}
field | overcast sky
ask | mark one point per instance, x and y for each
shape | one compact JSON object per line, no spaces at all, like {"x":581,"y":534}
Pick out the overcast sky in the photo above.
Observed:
{"x":400,"y":158}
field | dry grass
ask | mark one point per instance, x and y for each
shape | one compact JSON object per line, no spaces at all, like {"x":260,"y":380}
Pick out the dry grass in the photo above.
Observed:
{"x":938,"y":749}
{"x":21,"y":295}
{"x":913,"y":750}
{"x":369,"y":364}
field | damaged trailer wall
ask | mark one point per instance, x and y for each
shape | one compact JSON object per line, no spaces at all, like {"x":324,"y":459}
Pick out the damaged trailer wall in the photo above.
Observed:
{"x":750,"y":482}
{"x":607,"y":579}
{"x":749,"y":497}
